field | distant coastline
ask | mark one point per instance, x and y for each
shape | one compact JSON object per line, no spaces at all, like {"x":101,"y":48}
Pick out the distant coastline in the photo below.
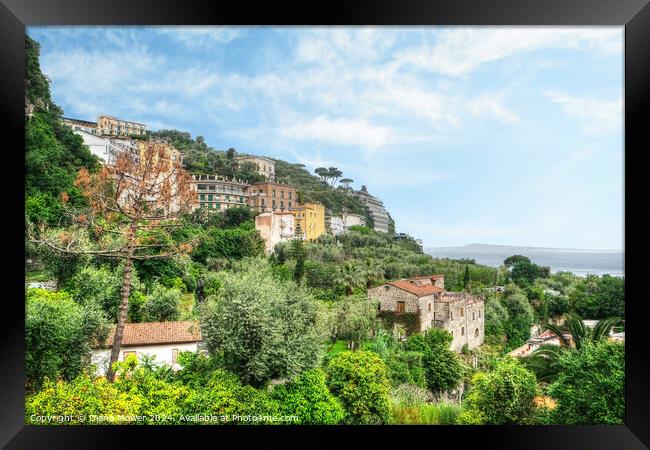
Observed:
{"x":578,"y":261}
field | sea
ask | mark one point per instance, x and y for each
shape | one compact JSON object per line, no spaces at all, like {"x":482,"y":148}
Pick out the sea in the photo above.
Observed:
{"x":580,"y":262}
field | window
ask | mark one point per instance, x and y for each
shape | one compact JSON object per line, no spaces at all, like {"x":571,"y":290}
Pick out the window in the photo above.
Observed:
{"x":476,"y":333}
{"x":401,"y":307}
{"x":387,"y":287}
{"x":462,"y":312}
{"x":174,"y":355}
{"x":479,"y":313}
{"x":452,"y":333}
{"x":262,"y":202}
{"x":209,"y":205}
{"x":273,"y":192}
{"x":218,"y":206}
{"x":281,"y":204}
{"x":281,"y":194}
{"x":429,"y":306}
{"x":201,"y":187}
{"x":202,"y":197}
{"x":273,"y":204}
{"x":462,"y":331}
{"x":452,"y":315}
{"x":241,"y":199}
{"x":211,"y":187}
{"x":289,"y":195}
{"x":289,"y":204}
{"x":210,"y":197}
{"x":473,"y":315}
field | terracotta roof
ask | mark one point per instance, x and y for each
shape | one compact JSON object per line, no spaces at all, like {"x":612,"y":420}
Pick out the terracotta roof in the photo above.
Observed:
{"x":420,"y":291}
{"x":148,"y":333}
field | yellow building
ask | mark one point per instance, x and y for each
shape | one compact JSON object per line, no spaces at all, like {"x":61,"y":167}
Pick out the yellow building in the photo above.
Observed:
{"x":310,"y":220}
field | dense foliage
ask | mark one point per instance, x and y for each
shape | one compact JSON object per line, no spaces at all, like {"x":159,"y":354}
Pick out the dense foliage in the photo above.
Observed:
{"x":504,"y":395}
{"x":591,"y":386}
{"x":359,"y":379}
{"x":58,"y":336}
{"x":264,"y":328}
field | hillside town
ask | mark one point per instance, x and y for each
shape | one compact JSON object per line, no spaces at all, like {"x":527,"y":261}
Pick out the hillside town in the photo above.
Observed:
{"x":281,"y":217}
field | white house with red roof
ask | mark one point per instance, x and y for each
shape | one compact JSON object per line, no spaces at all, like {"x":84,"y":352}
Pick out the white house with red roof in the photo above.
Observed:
{"x":164,"y":340}
{"x":460,"y":313}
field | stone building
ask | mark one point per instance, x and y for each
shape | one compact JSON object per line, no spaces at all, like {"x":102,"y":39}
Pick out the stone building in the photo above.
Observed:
{"x":310,"y":220}
{"x":265,"y":166}
{"x":112,"y":126}
{"x":271,"y":196}
{"x":218,"y":193}
{"x":425,"y":300}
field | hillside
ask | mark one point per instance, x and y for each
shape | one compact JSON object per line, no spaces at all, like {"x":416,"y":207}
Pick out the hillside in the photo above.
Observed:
{"x":200,"y":158}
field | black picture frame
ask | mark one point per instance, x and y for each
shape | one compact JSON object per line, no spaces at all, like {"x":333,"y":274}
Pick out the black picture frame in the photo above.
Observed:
{"x":634,"y":15}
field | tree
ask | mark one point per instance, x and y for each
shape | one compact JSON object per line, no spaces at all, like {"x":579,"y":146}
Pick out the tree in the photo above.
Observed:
{"x":590,"y":388}
{"x":162,"y":305}
{"x":298,"y":253}
{"x":373,"y":271}
{"x":263,"y":328}
{"x":443,"y":369}
{"x":354,"y":319}
{"x":350,"y":277}
{"x":134,"y":202}
{"x":58,"y":336}
{"x":308,"y":397}
{"x":545,"y":361}
{"x":511,"y":260}
{"x":466,"y":277}
{"x":346,"y":182}
{"x":504,"y":395}
{"x":359,"y":380}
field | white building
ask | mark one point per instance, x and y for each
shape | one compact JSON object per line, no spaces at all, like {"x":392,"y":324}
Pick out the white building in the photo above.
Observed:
{"x":164,"y":340}
{"x":339,"y":224}
{"x":105,"y":148}
{"x":275,"y":227}
{"x":377,"y":210}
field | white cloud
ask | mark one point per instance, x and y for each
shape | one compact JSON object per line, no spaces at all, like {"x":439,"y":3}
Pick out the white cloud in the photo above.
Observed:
{"x":200,"y":36}
{"x":338,"y":131}
{"x":458,"y":52}
{"x":492,"y":105}
{"x":595,"y":116}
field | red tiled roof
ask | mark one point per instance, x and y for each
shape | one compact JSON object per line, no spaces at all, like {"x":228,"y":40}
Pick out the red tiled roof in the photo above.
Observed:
{"x":420,"y":291}
{"x":148,"y":333}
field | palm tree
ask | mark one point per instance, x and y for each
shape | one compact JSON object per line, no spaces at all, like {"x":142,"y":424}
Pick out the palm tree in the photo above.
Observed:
{"x":350,"y":277}
{"x":544,"y":361}
{"x":373,"y":271}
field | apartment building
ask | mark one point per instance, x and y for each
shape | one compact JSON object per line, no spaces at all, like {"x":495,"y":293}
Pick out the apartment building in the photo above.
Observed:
{"x":271,"y":196}
{"x":112,"y":126}
{"x":309,"y":220}
{"x":377,"y":210}
{"x":218,"y":193}
{"x":265,"y":166}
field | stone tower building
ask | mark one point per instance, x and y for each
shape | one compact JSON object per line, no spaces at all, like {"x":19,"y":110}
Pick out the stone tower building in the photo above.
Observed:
{"x":425,"y":300}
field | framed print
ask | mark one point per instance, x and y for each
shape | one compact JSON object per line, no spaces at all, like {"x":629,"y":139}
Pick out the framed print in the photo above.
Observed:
{"x":243,"y":220}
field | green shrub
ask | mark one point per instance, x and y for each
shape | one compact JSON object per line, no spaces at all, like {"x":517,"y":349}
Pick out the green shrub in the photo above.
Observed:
{"x":309,"y":398}
{"x":359,"y":380}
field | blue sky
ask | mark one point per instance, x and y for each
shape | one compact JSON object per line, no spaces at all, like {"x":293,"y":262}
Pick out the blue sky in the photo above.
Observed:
{"x":493,"y":135}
